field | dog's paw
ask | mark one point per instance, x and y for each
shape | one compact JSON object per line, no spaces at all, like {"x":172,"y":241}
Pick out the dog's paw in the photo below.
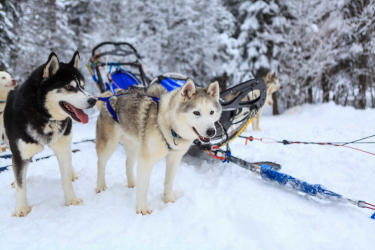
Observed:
{"x":74,"y":202}
{"x":101,"y":188}
{"x":171,"y":197}
{"x":131,"y":184}
{"x":74,"y":176}
{"x":13,"y":184}
{"x":22,"y":212}
{"x":143,"y":211}
{"x":131,"y":181}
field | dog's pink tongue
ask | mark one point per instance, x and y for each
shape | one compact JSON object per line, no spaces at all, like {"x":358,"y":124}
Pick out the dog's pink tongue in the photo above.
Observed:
{"x":82,"y":116}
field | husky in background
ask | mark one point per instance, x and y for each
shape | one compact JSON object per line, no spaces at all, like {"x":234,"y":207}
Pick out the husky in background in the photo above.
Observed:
{"x":151,"y":130}
{"x":7,"y":83}
{"x":272,"y":85}
{"x":39,"y":113}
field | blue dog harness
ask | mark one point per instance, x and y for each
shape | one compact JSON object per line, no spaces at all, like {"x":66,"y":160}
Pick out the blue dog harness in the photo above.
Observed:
{"x":112,"y":111}
{"x":109,"y":107}
{"x":122,"y":79}
{"x":115,"y":117}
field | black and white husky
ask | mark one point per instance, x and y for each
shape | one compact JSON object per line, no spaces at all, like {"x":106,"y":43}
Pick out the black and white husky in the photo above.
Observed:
{"x":40,"y":112}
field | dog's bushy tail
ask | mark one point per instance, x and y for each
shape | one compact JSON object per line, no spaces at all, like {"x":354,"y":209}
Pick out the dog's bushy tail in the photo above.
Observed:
{"x":156,"y":90}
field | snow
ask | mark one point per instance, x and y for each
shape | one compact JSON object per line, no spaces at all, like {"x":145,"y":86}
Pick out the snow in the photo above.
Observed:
{"x":220,"y":206}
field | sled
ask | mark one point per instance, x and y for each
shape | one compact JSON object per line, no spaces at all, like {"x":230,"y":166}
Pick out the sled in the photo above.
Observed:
{"x":118,"y":65}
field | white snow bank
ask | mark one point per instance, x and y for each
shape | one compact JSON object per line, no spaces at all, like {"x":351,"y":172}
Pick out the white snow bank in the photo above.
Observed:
{"x":221,"y":206}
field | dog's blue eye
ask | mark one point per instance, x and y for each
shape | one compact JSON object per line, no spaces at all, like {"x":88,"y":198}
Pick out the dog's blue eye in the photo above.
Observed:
{"x":197,"y":113}
{"x":212,"y":112}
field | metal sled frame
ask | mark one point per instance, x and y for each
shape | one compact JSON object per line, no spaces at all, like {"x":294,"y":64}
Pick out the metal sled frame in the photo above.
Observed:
{"x":124,"y":51}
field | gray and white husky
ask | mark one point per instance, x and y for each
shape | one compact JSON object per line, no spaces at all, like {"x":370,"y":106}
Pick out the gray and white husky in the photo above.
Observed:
{"x":39,"y":113}
{"x":151,"y":130}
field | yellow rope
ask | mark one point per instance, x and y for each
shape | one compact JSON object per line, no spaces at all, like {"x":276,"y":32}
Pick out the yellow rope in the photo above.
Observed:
{"x":239,"y":132}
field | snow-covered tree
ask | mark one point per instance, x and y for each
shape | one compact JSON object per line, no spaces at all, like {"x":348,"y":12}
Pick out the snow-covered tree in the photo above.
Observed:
{"x":326,"y":55}
{"x":9,"y":15}
{"x":43,"y":28}
{"x":181,"y":36}
{"x":320,"y":50}
{"x":258,"y":37}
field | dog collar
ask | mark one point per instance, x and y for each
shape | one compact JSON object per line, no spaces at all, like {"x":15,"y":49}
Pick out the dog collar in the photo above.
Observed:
{"x":174,"y":136}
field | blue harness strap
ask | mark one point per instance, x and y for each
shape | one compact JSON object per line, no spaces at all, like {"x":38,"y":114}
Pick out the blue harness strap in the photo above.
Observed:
{"x":155,"y":99}
{"x":109,"y":107}
{"x":112,"y":111}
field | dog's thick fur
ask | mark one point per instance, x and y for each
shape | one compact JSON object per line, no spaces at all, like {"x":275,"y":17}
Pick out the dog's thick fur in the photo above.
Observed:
{"x":38,"y":113}
{"x":7,"y":83}
{"x":272,"y":85}
{"x":145,"y":129}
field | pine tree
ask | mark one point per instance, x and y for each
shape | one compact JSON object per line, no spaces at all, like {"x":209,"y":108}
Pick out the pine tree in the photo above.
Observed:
{"x":8,"y":26}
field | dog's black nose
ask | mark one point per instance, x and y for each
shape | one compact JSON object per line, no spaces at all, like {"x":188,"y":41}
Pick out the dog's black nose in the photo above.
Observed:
{"x":210,"y":132}
{"x":91,"y":101}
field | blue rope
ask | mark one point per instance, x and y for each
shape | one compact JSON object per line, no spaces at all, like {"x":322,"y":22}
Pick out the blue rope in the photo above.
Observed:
{"x":228,"y":154}
{"x":110,"y":67}
{"x":95,"y":78}
{"x":268,"y":173}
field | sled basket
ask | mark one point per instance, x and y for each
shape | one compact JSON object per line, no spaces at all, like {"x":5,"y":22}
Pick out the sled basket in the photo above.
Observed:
{"x":116,"y":55}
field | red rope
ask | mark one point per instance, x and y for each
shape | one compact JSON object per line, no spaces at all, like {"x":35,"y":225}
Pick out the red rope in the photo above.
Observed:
{"x":263,"y":140}
{"x":372,"y":207}
{"x":214,"y":155}
{"x":358,"y":149}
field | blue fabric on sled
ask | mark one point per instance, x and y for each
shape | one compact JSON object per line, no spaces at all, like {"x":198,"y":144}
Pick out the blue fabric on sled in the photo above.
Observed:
{"x":171,"y":84}
{"x":123,"y":79}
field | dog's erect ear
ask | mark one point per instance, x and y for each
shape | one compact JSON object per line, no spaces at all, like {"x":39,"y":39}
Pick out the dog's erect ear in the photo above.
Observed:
{"x":188,"y":89}
{"x":213,"y":90}
{"x":75,"y":60}
{"x":52,"y":66}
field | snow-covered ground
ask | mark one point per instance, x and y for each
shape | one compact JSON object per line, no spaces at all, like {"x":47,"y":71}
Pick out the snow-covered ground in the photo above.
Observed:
{"x":221,"y":206}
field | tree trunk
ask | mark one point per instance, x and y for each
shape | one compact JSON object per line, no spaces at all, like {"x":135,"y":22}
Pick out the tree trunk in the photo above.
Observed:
{"x":310,"y":95}
{"x":372,"y":96}
{"x":309,"y":91}
{"x":362,"y":85}
{"x":325,"y":87}
{"x":275,"y":106}
{"x":51,"y":17}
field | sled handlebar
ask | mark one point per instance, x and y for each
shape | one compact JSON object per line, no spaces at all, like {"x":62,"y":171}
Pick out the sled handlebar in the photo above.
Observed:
{"x":120,"y":49}
{"x":241,"y":92}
